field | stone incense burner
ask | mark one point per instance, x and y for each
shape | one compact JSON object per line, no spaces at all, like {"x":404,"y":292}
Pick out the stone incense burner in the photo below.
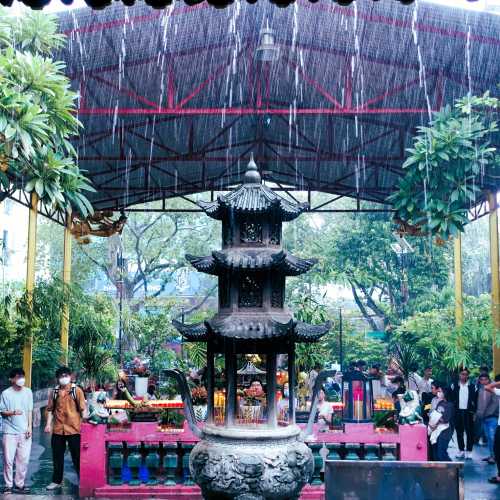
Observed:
{"x":266,"y":458}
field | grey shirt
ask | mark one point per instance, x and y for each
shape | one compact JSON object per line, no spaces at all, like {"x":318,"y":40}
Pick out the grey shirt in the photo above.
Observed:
{"x":487,"y":404}
{"x":16,"y":400}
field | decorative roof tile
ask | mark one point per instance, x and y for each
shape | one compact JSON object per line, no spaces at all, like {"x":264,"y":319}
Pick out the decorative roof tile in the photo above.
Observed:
{"x":310,"y":333}
{"x":251,"y":259}
{"x":196,"y":332}
{"x":253,"y":199}
{"x":242,"y":327}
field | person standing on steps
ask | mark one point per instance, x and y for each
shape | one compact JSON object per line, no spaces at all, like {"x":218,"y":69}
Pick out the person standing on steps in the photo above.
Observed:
{"x":16,"y":408}
{"x":64,"y":415}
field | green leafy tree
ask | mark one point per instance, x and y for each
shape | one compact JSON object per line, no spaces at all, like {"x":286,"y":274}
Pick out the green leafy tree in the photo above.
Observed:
{"x":91,"y":334}
{"x":433,"y":338}
{"x":154,"y":247}
{"x":452,"y":160}
{"x":37,"y":118}
{"x":357,"y":250}
{"x":151,"y":331}
{"x":308,"y":310}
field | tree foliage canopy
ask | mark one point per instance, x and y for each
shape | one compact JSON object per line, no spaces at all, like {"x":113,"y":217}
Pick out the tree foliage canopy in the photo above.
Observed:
{"x":451,"y":161}
{"x":37,"y":115}
{"x":435,"y":340}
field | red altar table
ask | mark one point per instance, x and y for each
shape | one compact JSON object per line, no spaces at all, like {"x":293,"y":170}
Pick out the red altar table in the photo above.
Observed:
{"x":410,"y":440}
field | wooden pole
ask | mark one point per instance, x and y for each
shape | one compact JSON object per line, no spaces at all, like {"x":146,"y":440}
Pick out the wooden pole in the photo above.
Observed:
{"x":30,"y":282}
{"x":291,"y":384}
{"x":495,"y":279}
{"x":230,"y":387}
{"x":210,"y":375}
{"x":66,"y":281}
{"x":272,"y":418}
{"x":457,"y":260}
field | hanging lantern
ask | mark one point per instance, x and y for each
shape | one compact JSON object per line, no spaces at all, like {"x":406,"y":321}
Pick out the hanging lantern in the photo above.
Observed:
{"x":357,"y":397}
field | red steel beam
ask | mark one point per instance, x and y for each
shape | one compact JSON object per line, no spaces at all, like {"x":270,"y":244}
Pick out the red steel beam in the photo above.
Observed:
{"x":225,"y":158}
{"x":126,"y":91}
{"x":329,"y":97}
{"x":249,"y":111}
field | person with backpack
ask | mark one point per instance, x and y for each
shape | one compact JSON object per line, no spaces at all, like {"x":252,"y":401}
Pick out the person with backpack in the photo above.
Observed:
{"x":64,"y":415}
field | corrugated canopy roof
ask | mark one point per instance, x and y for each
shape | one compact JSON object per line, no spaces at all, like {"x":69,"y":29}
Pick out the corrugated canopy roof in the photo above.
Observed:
{"x":173,"y":102}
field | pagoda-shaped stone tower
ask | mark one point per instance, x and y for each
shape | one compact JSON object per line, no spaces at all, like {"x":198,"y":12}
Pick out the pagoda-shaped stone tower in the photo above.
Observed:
{"x":252,"y":319}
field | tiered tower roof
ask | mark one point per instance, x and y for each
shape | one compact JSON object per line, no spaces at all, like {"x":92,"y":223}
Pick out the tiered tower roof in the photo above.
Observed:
{"x":252,"y":268}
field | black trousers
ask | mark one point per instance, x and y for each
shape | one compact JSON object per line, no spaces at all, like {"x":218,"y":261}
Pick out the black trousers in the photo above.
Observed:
{"x":59,"y":449}
{"x":440,"y":449}
{"x":496,"y":448}
{"x":464,"y":423}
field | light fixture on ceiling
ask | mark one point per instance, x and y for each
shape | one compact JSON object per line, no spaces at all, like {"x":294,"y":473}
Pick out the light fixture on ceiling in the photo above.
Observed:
{"x":267,"y":51}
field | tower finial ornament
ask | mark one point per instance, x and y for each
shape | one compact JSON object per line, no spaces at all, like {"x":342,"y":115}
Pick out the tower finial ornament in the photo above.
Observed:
{"x":252,"y":175}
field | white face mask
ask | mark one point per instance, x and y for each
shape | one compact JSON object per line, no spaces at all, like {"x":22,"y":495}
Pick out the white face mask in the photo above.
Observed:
{"x":64,"y":380}
{"x":20,"y":382}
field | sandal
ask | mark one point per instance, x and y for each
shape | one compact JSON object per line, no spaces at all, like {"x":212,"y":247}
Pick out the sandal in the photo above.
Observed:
{"x":494,"y":480}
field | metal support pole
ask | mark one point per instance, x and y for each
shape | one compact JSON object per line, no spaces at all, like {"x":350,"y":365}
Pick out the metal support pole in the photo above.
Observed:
{"x":30,"y":282}
{"x":120,"y":283}
{"x":457,"y":260}
{"x":231,"y":387}
{"x":210,"y":383}
{"x":291,"y":384}
{"x":341,"y":345}
{"x":66,"y":281}
{"x":495,"y":279}
{"x":272,"y":418}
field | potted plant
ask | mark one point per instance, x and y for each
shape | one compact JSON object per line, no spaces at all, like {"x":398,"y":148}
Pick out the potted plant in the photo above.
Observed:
{"x":385,"y":420}
{"x":171,"y":420}
{"x":199,"y":398}
{"x":142,"y":375}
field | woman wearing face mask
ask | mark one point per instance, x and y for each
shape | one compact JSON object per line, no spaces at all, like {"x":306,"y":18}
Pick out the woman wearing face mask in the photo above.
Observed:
{"x":64,"y":415}
{"x":440,"y":427}
{"x":16,"y":408}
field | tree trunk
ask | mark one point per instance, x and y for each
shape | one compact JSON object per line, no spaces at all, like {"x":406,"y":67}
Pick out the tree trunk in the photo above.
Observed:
{"x":363,"y":309}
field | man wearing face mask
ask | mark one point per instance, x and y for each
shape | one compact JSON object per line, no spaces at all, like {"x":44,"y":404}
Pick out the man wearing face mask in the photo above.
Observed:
{"x":64,"y":415}
{"x":16,"y":408}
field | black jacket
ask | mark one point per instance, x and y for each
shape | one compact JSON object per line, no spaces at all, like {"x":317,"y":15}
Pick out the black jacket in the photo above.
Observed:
{"x":472,"y":400}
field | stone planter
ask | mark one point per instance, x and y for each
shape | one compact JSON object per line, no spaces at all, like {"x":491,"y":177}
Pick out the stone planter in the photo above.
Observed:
{"x":251,"y":464}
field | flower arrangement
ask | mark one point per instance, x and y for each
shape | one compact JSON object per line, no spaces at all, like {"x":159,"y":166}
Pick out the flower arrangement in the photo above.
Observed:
{"x":254,"y":395}
{"x":199,"y":395}
{"x":140,"y":368}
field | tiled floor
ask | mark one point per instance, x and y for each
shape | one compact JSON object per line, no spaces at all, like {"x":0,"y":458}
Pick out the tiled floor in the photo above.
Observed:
{"x":40,"y":470}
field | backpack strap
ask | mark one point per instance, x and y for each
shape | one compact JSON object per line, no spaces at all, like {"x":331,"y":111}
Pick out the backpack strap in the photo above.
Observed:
{"x":72,"y":393}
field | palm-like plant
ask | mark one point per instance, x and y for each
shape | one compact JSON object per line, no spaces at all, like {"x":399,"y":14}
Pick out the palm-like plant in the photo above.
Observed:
{"x":405,"y":358}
